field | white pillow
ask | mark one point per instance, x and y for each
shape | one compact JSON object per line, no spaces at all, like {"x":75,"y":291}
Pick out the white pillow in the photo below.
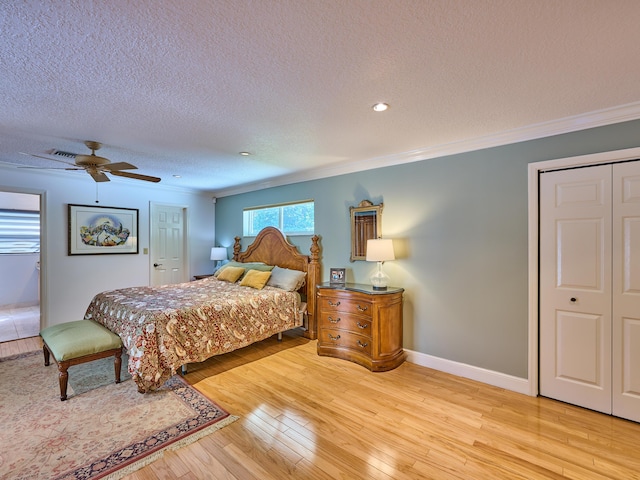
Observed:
{"x":286,"y":279}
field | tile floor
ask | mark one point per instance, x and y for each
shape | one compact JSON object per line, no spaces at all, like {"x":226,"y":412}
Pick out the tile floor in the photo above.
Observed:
{"x":16,"y":323}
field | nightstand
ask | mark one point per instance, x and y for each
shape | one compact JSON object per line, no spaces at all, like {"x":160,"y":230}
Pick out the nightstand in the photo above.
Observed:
{"x":360,"y":324}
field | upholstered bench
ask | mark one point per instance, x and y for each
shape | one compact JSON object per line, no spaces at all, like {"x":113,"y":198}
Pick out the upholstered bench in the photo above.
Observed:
{"x":78,"y":342}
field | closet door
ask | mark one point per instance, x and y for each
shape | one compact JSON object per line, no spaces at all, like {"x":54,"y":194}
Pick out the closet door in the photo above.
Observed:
{"x":575,"y":286}
{"x":626,"y":290}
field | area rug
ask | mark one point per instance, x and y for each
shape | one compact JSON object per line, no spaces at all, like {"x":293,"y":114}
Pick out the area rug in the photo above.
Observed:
{"x":102,"y":431}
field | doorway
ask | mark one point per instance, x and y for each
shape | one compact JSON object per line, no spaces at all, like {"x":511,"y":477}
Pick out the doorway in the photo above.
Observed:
{"x":20,"y":262}
{"x":168,"y":244}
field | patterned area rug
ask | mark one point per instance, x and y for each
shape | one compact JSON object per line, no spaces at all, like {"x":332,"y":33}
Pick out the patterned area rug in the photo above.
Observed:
{"x":103,"y":430}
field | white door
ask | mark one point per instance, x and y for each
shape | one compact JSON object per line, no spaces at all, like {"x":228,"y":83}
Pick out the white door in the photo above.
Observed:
{"x":626,"y":291}
{"x":575,"y":286}
{"x":590,"y":287}
{"x":167,"y":244}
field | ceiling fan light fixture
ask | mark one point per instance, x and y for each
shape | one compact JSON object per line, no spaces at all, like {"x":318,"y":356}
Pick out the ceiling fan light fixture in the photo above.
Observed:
{"x":92,"y":159}
{"x":380,"y":107}
{"x":97,"y":166}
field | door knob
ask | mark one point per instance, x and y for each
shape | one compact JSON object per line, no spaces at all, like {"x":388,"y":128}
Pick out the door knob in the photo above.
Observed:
{"x":157,"y":264}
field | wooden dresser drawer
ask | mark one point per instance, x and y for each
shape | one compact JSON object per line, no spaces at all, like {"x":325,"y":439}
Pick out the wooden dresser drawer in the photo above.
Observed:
{"x":339,"y":304}
{"x":340,"y":338}
{"x":359,"y":324}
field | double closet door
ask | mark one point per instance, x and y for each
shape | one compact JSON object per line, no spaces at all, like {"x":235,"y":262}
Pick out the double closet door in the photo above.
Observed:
{"x":590,"y":287}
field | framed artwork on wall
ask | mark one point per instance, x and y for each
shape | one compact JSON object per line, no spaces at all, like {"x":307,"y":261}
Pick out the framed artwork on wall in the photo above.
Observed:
{"x":102,"y":230}
{"x":337,"y":276}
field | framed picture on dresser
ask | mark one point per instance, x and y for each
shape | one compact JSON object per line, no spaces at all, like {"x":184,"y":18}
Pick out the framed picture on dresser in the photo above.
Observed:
{"x":337,"y":276}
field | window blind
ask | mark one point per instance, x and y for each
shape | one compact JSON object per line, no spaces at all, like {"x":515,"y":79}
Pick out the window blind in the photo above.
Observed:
{"x":19,"y":231}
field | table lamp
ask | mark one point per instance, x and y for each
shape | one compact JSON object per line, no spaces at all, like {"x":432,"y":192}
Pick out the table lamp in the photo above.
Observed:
{"x":218,"y":254}
{"x":380,"y":250}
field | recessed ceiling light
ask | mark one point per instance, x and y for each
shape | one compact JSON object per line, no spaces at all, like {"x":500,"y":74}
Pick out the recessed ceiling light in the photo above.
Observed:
{"x":380,"y":107}
{"x":177,"y":176}
{"x":245,"y":154}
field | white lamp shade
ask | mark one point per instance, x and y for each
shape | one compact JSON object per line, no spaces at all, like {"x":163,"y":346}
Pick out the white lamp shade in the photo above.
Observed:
{"x":380,"y":250}
{"x":218,"y":253}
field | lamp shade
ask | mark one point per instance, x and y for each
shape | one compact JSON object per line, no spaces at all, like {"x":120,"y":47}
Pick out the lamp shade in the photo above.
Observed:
{"x":218,"y":253}
{"x":380,"y":250}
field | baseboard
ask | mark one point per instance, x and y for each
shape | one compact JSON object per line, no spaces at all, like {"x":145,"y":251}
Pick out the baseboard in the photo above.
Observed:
{"x":490,"y":377}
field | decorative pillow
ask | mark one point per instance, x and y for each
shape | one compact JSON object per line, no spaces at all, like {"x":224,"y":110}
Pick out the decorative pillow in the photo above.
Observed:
{"x":247,"y":266}
{"x":286,"y":279}
{"x":230,"y":274}
{"x":255,"y":279}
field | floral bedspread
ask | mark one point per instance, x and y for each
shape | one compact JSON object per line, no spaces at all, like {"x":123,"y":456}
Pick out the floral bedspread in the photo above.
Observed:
{"x":165,"y":327}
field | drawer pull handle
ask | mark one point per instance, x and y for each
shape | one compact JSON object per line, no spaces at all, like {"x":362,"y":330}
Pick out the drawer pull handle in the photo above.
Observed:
{"x":360,"y":344}
{"x":334,"y":320}
{"x":362,"y":326}
{"x":362,"y":309}
{"x":337,"y":337}
{"x":333,"y":304}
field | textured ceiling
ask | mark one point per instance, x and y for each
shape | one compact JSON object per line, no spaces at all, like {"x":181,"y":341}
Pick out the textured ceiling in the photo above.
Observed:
{"x":180,"y":87}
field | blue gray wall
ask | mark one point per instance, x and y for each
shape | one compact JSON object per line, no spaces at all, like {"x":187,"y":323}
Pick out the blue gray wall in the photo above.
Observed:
{"x":459,"y":225}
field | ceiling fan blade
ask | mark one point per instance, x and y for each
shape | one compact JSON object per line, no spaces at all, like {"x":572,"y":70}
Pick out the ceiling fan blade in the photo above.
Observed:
{"x":46,"y":158}
{"x":119,"y":166}
{"x":45,"y":168}
{"x":18,"y":165}
{"x":98,"y":176}
{"x":135,"y":176}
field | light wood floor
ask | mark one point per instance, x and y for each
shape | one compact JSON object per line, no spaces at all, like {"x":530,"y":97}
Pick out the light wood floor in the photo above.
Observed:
{"x":22,"y":345}
{"x":308,"y":417}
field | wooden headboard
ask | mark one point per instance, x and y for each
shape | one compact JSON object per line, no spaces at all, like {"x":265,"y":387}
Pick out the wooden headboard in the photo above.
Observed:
{"x":271,"y":247}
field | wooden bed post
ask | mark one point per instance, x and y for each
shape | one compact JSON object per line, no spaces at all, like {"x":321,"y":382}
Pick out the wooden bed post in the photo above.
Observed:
{"x":313,"y":277}
{"x":236,"y":248}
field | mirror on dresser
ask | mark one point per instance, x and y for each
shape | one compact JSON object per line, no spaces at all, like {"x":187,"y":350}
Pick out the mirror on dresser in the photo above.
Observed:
{"x":366,"y":223}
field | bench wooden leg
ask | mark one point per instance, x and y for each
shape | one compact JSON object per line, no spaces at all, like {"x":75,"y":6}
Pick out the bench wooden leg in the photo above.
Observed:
{"x":45,"y":350}
{"x":63,"y":378}
{"x":117,"y":362}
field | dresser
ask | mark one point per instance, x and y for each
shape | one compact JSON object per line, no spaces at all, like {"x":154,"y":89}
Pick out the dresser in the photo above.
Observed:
{"x":360,"y":324}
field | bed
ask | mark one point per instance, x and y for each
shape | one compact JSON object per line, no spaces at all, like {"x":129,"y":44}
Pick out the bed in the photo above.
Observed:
{"x":166,"y":327}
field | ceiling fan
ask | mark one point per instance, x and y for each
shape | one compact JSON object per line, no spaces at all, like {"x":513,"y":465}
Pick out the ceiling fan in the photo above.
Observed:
{"x":97,"y":166}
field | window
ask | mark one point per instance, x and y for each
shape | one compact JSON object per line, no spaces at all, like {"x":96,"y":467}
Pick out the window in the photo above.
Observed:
{"x":290,"y":218}
{"x":19,"y":231}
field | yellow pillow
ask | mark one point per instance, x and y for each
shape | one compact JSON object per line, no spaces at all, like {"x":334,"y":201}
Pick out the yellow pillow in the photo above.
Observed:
{"x":231,"y":274}
{"x":255,"y":279}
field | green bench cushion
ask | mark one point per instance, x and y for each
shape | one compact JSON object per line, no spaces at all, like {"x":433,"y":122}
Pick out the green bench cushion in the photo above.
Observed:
{"x":76,"y":339}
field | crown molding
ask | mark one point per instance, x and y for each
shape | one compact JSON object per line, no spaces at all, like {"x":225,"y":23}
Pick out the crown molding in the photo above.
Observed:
{"x":599,"y":118}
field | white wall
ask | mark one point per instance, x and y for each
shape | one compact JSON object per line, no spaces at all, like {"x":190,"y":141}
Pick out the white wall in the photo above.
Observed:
{"x":19,"y":201}
{"x":19,"y":280}
{"x":70,"y":282}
